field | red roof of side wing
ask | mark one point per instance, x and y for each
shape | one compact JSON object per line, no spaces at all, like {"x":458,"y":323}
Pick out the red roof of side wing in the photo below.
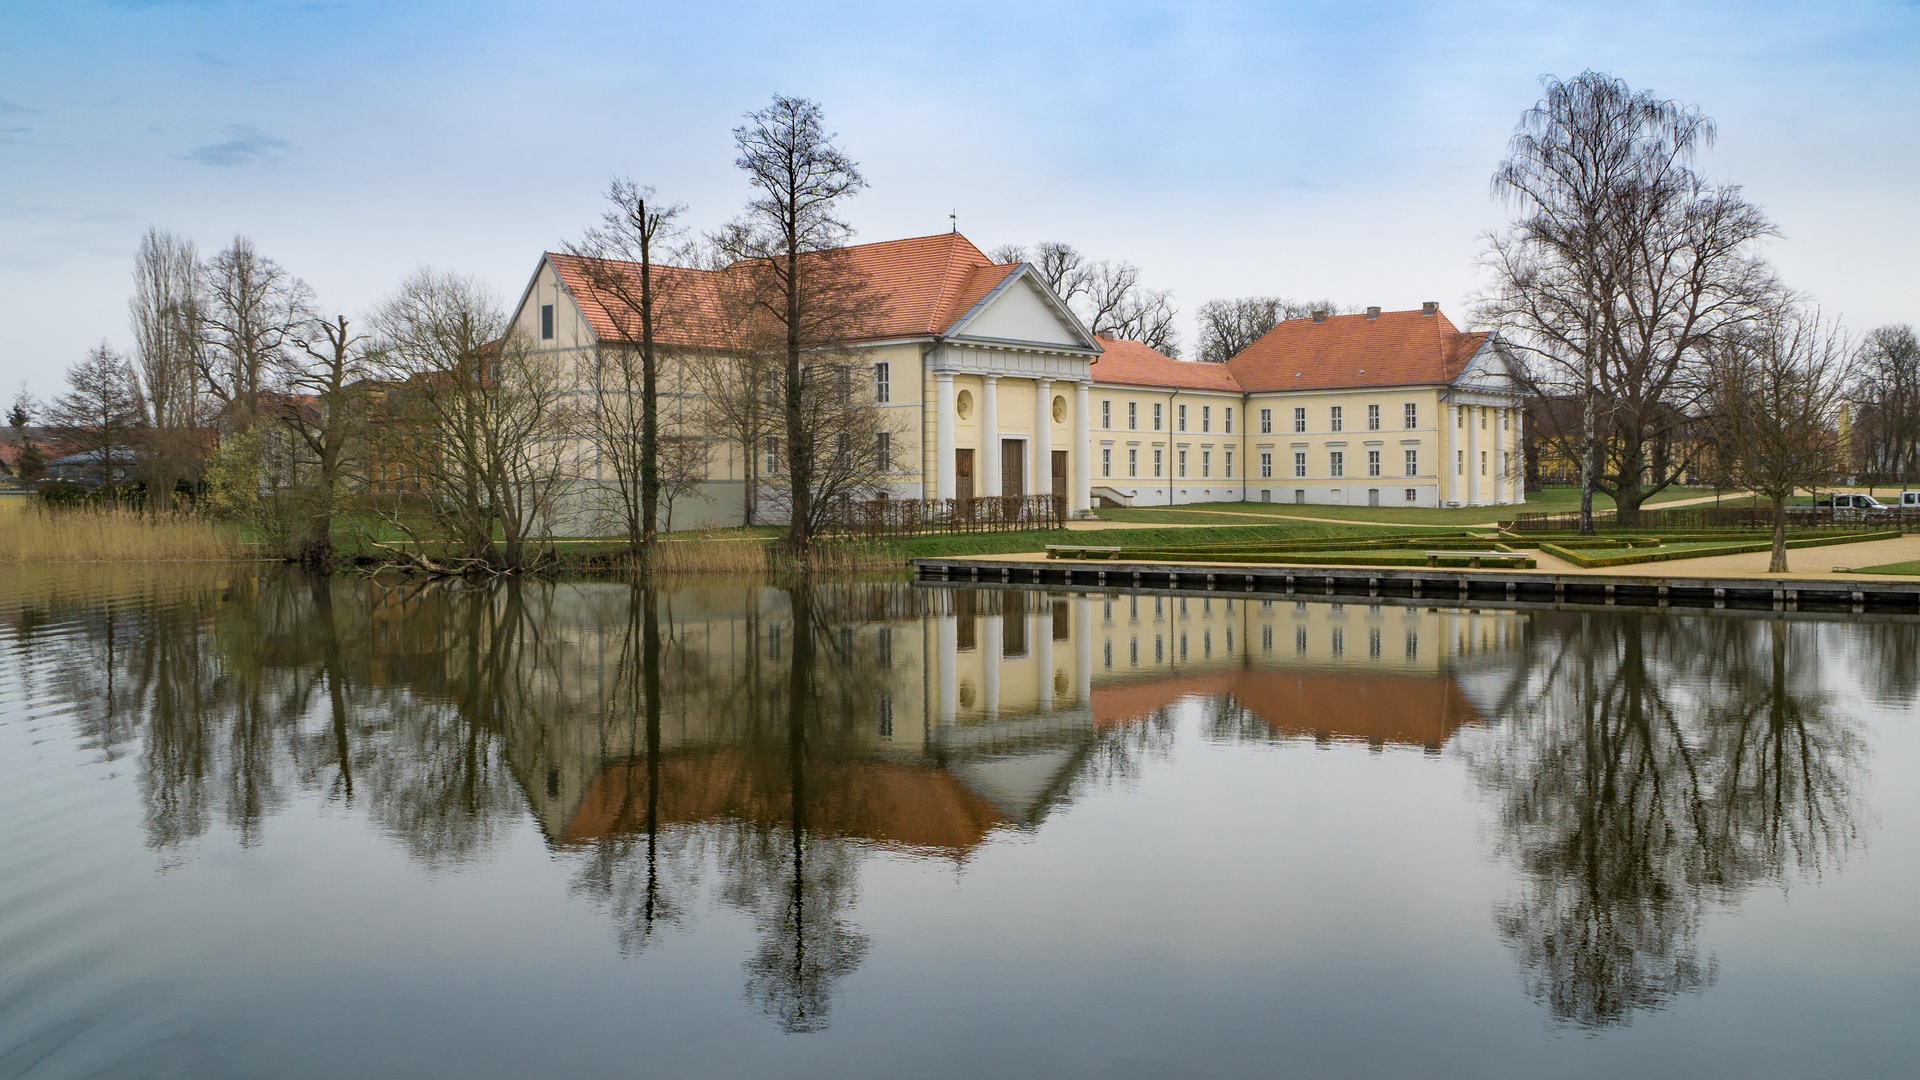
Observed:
{"x":1132,"y":363}
{"x":1395,"y":348}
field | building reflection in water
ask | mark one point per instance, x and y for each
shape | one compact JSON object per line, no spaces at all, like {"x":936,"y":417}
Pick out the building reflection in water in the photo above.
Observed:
{"x":749,"y":747}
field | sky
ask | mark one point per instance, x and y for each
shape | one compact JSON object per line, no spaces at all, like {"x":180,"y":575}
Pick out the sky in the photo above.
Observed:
{"x":1338,"y":150}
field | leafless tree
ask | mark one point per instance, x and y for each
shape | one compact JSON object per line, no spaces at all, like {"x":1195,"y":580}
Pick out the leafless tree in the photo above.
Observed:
{"x":736,"y":397}
{"x":622,"y":407}
{"x":1227,"y":327}
{"x":1622,"y":270}
{"x":249,"y":316}
{"x":1107,"y":297}
{"x":323,"y":413}
{"x":29,"y":464}
{"x":1885,"y":398}
{"x":100,"y":414}
{"x":1776,"y":391}
{"x":804,"y":291}
{"x":683,"y":469}
{"x":165,"y":308}
{"x":477,"y":415}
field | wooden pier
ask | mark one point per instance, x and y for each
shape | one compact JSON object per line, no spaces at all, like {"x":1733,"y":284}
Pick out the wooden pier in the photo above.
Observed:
{"x":1441,"y":586}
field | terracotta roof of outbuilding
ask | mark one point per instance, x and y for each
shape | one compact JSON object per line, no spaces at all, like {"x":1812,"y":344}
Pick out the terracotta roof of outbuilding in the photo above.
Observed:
{"x":917,"y":287}
{"x":1395,"y":348}
{"x":1132,"y":363}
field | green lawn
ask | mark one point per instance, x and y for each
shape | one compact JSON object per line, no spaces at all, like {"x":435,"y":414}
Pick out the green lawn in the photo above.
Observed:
{"x":1912,"y":567}
{"x":914,"y":547}
{"x":1551,"y":500}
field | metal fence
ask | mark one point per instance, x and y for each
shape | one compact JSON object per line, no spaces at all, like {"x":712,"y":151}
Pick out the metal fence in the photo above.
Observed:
{"x":906,"y":517}
{"x":1684,"y":518}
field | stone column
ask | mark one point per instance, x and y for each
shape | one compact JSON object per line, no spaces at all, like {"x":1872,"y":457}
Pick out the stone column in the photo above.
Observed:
{"x":992,"y":644}
{"x":1082,"y":451}
{"x":1042,"y":437}
{"x":947,"y":655}
{"x":1449,"y":468}
{"x":1083,"y":648}
{"x":1042,"y":631}
{"x":943,"y":435}
{"x":1474,"y":419}
{"x":1515,"y":449}
{"x":1499,"y":457}
{"x":989,"y":435}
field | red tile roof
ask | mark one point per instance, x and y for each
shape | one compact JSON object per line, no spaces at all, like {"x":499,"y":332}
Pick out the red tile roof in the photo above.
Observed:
{"x":918,"y":287}
{"x":1420,"y":710}
{"x":1396,"y":348}
{"x":1132,"y":363}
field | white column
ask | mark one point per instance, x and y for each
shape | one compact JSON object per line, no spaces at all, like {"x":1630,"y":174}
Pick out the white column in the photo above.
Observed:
{"x":1042,"y":437}
{"x":1083,"y":648}
{"x":948,"y":650}
{"x":989,"y":435}
{"x":1042,"y":631}
{"x":1082,"y":451}
{"x":943,"y":435}
{"x":1450,"y":469}
{"x":1499,"y":457}
{"x":992,"y":644}
{"x":1473,"y":454}
{"x":1518,"y":457}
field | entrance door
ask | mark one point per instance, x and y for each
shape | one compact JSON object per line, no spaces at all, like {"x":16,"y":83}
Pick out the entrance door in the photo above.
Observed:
{"x":1013,"y":468}
{"x":963,"y":474}
{"x":1060,"y":476}
{"x":1373,"y":496}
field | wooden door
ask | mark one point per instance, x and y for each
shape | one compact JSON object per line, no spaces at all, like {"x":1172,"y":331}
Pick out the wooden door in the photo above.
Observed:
{"x":1060,"y":476}
{"x":963,"y":474}
{"x":1013,"y":468}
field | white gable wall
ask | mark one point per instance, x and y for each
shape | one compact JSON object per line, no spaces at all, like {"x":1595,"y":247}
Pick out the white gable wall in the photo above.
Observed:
{"x":1019,"y":314}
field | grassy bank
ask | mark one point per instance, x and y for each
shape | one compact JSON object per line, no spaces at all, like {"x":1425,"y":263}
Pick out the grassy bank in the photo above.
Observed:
{"x":36,"y":534}
{"x":1550,"y":500}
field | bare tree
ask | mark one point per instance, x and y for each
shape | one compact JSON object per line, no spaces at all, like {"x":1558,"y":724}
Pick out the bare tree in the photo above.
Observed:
{"x":1886,"y":402}
{"x":622,"y":407}
{"x":683,"y":468}
{"x":1227,"y":327}
{"x":1776,"y":392}
{"x":1107,"y":297}
{"x":249,"y":317}
{"x":100,"y":414}
{"x":477,"y":416}
{"x":165,"y":311}
{"x":1622,"y":270}
{"x":29,"y":464}
{"x":324,"y":414}
{"x":804,"y":291}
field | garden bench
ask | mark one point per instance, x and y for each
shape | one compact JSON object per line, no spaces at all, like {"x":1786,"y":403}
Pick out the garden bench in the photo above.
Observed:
{"x":1511,"y":558}
{"x":1080,"y":551}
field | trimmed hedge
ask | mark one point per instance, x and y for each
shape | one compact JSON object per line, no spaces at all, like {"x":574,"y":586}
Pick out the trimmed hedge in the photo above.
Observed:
{"x":1634,"y":558}
{"x":1317,"y":558}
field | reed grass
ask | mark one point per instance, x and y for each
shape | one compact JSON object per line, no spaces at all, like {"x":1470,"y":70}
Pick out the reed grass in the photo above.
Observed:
{"x":37,"y":534}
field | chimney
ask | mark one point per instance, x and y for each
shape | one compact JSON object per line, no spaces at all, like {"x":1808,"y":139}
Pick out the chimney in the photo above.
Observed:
{"x":1373,"y":312}
{"x":1320,"y":315}
{"x":1430,"y":307}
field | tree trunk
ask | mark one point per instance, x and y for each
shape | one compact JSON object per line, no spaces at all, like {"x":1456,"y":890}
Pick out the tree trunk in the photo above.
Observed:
{"x":649,"y":398}
{"x":1589,"y":463}
{"x":1779,"y":563}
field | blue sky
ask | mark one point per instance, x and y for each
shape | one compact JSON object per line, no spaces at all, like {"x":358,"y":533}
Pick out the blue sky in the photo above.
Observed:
{"x":1338,"y":149}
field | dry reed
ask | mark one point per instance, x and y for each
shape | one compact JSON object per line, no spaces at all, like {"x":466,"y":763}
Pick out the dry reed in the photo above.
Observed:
{"x":36,"y":534}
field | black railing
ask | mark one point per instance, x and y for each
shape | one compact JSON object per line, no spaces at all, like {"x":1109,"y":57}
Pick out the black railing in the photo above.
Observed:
{"x":905,"y":517}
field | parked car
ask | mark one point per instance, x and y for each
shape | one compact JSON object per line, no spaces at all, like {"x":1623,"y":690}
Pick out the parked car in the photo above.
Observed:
{"x":1910,"y":500}
{"x":1853,"y":507}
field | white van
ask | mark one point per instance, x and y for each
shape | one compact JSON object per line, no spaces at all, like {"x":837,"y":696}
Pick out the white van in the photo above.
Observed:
{"x":1853,"y":507}
{"x":1910,"y":500}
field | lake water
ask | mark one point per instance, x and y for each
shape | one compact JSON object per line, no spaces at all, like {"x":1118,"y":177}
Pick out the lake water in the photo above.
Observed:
{"x":266,"y":825}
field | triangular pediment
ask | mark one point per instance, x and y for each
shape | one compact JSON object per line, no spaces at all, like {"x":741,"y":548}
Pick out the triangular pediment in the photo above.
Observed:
{"x":1022,"y":310}
{"x":1490,"y":368}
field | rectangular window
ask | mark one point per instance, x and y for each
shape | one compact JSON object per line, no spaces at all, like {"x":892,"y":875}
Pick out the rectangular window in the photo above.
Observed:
{"x":1460,"y":462}
{"x":1373,"y":463}
{"x":882,"y":383}
{"x":1506,"y":416}
{"x":1413,"y":494}
{"x":1133,"y":462}
{"x":1336,"y":418}
{"x":1183,"y":418}
{"x":1156,"y":461}
{"x":1206,"y":418}
{"x":1413,"y":462}
{"x":1266,"y":421}
{"x":1299,"y":419}
{"x":1300,"y":463}
{"x":1413,"y":415}
{"x":1460,"y":417}
{"x":883,"y":451}
{"x":772,"y":464}
{"x":1483,"y":418}
{"x":546,"y":322}
{"x":1206,"y":464}
{"x":1133,"y":416}
{"x":1156,"y":415}
{"x":1337,"y":463}
{"x":1373,"y":418}
{"x":1106,"y":461}
{"x":1182,"y":464}
{"x":1106,"y":414}
{"x":1229,"y":464}
{"x":1483,"y":463}
{"x":1266,"y":465}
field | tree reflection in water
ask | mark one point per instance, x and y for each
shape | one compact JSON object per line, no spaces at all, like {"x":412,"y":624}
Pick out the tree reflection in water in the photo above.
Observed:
{"x":1652,"y":768}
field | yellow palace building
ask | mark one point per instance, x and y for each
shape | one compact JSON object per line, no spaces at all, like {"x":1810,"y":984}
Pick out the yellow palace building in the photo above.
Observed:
{"x":998,"y":389}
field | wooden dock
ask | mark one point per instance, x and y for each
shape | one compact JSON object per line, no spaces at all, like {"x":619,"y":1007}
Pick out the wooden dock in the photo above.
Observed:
{"x":1441,"y":586}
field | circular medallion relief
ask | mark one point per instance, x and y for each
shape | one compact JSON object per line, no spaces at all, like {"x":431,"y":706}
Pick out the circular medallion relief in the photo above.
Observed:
{"x":963,"y":404}
{"x":1059,"y":410}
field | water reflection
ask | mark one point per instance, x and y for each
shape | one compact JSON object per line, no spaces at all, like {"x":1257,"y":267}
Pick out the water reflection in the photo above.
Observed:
{"x":1657,"y":768}
{"x":750,"y":749}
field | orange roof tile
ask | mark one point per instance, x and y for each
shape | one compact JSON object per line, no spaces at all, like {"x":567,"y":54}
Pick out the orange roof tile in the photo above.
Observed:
{"x":1133,"y":363}
{"x":1397,"y":348}
{"x":917,"y":287}
{"x":1421,"y":710}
